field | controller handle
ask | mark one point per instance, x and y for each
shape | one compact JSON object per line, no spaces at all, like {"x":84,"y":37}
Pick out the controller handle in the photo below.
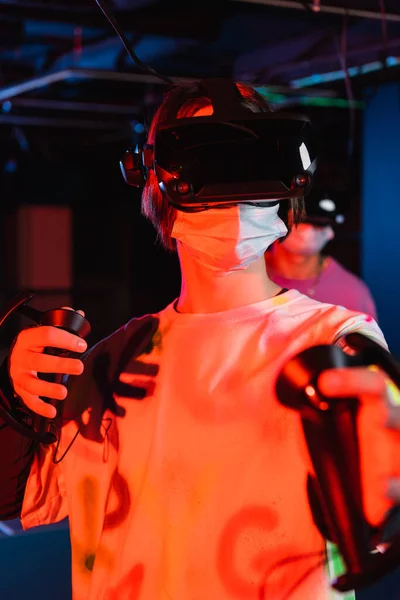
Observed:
{"x":330,"y":430}
{"x":69,"y":320}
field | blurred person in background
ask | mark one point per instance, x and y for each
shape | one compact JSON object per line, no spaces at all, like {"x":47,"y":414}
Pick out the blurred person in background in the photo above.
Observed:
{"x":298,"y":262}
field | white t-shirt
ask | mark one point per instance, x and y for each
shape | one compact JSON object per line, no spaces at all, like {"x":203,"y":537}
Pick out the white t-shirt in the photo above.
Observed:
{"x":190,"y":482}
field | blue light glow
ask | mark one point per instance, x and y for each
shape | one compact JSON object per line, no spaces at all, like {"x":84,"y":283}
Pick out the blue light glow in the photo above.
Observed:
{"x":6,"y":106}
{"x":319,"y":78}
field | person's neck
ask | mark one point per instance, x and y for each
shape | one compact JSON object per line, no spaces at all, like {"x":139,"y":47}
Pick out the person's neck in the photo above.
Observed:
{"x":204,"y":291}
{"x":292,"y":266}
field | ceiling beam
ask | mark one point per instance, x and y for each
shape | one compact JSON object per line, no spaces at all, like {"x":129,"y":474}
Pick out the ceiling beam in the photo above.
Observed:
{"x":317,"y":61}
{"x":36,"y":83}
{"x":323,"y":8}
{"x":190,"y":21}
{"x":74,"y":106}
{"x":59,"y":122}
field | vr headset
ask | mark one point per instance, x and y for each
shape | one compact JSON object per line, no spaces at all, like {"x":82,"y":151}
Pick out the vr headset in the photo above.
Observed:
{"x":233,"y":156}
{"x":325,"y":208}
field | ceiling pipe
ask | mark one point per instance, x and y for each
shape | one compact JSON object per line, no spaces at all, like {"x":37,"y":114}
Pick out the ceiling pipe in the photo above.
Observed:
{"x":282,"y":98}
{"x":37,"y":83}
{"x":6,"y":529}
{"x":30,"y":85}
{"x":71,"y":105}
{"x":317,"y":60}
{"x":106,"y":54}
{"x":332,"y":10}
{"x":58,"y":122}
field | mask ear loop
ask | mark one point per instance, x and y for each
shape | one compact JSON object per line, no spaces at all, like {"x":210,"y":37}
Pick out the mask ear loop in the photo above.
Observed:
{"x":57,"y":433}
{"x":106,"y":438}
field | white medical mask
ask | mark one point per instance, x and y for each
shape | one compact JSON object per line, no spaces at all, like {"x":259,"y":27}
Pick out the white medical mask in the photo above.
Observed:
{"x":228,"y":239}
{"x":307,"y":240}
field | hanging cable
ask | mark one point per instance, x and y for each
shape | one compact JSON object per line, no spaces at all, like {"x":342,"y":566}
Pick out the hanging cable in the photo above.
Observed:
{"x":342,"y":54}
{"x":136,"y":60}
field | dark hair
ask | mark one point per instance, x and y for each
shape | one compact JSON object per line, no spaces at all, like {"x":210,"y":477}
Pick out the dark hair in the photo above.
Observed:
{"x":181,"y":102}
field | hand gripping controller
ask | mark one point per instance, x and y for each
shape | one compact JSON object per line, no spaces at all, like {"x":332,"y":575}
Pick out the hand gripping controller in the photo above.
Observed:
{"x":330,"y":429}
{"x":40,"y":428}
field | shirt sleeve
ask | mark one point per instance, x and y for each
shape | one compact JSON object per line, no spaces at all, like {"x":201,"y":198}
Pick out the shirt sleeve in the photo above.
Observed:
{"x":45,"y":499}
{"x":363,"y":324}
{"x":369,"y":305}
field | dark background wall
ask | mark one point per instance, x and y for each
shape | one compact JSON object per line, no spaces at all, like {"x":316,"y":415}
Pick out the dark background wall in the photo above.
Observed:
{"x":61,"y":140}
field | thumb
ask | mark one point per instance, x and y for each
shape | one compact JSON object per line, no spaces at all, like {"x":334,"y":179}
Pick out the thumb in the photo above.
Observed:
{"x":81,"y":312}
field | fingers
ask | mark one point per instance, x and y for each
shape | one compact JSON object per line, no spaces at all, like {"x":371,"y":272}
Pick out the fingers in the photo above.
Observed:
{"x":37,"y":338}
{"x":78,"y":311}
{"x":378,"y":449}
{"x":27,"y":359}
{"x":393,"y":421}
{"x":46,"y":363}
{"x":378,"y":445}
{"x":38,"y":406}
{"x":38,"y":387}
{"x":356,"y":381}
{"x":393,"y":489}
